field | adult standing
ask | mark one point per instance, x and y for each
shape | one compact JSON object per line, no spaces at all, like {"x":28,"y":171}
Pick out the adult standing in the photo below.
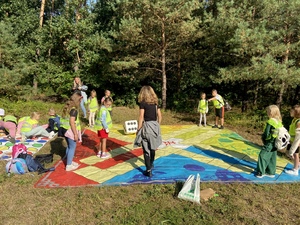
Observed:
{"x":149,"y":126}
{"x":219,"y":108}
{"x":79,"y":87}
{"x":69,"y":128}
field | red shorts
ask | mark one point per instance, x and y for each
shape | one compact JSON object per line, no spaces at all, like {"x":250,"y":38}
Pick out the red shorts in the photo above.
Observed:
{"x":102,"y":133}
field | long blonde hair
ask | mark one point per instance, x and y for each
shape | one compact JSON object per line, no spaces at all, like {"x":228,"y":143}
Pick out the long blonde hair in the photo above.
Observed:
{"x":274,"y":112}
{"x":147,"y":95}
{"x":73,"y":102}
{"x":79,"y":82}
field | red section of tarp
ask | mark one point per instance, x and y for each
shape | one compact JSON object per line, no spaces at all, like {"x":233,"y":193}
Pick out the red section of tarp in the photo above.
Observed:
{"x":90,"y":141}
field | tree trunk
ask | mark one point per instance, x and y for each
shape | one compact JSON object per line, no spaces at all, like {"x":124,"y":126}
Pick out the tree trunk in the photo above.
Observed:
{"x":285,"y":60}
{"x":163,"y":61}
{"x":42,"y":12}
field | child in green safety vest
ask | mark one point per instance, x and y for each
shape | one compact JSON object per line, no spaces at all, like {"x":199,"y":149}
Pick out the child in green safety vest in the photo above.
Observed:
{"x":266,"y":165}
{"x":293,"y":148}
{"x":107,"y":94}
{"x":218,"y":102}
{"x":103,"y":124}
{"x":53,"y":121}
{"x":202,"y":109}
{"x":9,"y":123}
{"x":92,"y":107}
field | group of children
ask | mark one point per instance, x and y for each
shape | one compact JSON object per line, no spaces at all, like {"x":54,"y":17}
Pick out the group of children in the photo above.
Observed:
{"x":218,"y":103}
{"x":266,"y":165}
{"x":25,"y":127}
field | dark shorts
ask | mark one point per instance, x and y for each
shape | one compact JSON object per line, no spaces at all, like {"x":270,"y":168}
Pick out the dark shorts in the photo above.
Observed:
{"x":289,"y":146}
{"x":102,"y":133}
{"x":220,"y":112}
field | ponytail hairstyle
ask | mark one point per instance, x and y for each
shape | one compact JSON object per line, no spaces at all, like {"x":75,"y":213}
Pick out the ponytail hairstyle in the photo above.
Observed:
{"x":73,"y":102}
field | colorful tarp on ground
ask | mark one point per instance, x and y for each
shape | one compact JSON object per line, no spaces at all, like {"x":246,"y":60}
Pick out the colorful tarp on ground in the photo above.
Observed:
{"x":217,"y":155}
{"x":33,"y":146}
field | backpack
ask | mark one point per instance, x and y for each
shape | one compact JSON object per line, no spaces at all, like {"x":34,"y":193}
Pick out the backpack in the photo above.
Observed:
{"x":34,"y":165}
{"x":282,"y":139}
{"x":17,"y":165}
{"x":226,"y":105}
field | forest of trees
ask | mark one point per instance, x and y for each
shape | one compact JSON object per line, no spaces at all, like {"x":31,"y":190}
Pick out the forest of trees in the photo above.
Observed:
{"x":249,"y":50}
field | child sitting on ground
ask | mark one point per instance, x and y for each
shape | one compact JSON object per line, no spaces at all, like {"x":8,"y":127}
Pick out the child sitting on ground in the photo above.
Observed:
{"x":53,"y":121}
{"x":30,"y":128}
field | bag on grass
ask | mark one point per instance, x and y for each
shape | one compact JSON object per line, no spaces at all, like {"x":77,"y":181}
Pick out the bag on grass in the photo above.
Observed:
{"x":191,"y":189}
{"x":44,"y":158}
{"x":34,"y":165}
{"x":283,"y":138}
{"x":17,"y":166}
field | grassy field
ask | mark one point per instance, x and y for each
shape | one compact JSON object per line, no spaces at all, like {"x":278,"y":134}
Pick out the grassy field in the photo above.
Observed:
{"x":236,"y":203}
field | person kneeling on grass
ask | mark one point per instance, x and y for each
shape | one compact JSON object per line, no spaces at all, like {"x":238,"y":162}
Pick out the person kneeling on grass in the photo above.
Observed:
{"x":266,"y":165}
{"x":103,"y":123}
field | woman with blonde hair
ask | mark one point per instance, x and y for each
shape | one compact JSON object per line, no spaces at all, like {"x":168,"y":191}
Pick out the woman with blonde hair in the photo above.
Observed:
{"x":149,"y":126}
{"x":79,"y":87}
{"x":266,"y":165}
{"x":69,"y":126}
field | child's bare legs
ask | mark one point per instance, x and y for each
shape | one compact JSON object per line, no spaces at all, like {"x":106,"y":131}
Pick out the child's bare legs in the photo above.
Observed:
{"x":217,"y":121}
{"x":200,"y":120}
{"x":296,"y":161}
{"x":204,"y":117}
{"x":93,"y":118}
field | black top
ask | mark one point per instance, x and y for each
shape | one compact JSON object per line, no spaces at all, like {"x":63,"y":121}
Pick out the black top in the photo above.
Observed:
{"x":150,"y":113}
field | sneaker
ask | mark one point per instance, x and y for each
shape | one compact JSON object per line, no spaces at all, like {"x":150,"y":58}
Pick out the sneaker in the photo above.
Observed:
{"x":215,"y":126}
{"x":75,"y":164}
{"x":292,"y":172}
{"x":11,"y":139}
{"x":71,"y":167}
{"x":99,"y":154}
{"x":52,"y":135}
{"x":221,"y":127}
{"x":104,"y":155}
{"x":270,"y":175}
{"x":259,"y":175}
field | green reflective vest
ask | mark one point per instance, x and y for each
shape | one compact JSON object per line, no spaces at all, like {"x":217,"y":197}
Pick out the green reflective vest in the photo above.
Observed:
{"x":93,"y":104}
{"x":65,"y":122}
{"x":28,"y":125}
{"x":10,"y":118}
{"x":202,"y":106}
{"x":98,"y":121}
{"x":218,"y":103}
{"x":292,"y":128}
{"x":276,"y":124}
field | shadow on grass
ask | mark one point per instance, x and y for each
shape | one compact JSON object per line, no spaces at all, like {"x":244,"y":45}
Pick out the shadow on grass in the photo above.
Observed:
{"x":178,"y":187}
{"x":58,"y":147}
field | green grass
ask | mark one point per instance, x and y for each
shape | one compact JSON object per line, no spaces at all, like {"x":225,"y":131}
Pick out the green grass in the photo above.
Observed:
{"x":237,"y":203}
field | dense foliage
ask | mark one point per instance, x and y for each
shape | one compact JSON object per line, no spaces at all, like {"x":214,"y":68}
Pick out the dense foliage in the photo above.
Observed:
{"x":248,"y":50}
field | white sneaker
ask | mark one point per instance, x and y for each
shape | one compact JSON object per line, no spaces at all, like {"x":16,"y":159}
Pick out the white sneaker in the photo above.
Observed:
{"x":52,"y":135}
{"x":292,"y":172}
{"x":71,"y":167}
{"x":75,"y":164}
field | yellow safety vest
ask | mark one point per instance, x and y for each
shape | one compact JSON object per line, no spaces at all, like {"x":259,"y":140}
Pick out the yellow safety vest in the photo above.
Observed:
{"x":93,"y":104}
{"x":28,"y":125}
{"x":65,"y":122}
{"x":202,"y":106}
{"x":10,"y":118}
{"x":98,"y":122}
{"x":218,"y":103}
{"x":292,"y":128}
{"x":276,"y":124}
